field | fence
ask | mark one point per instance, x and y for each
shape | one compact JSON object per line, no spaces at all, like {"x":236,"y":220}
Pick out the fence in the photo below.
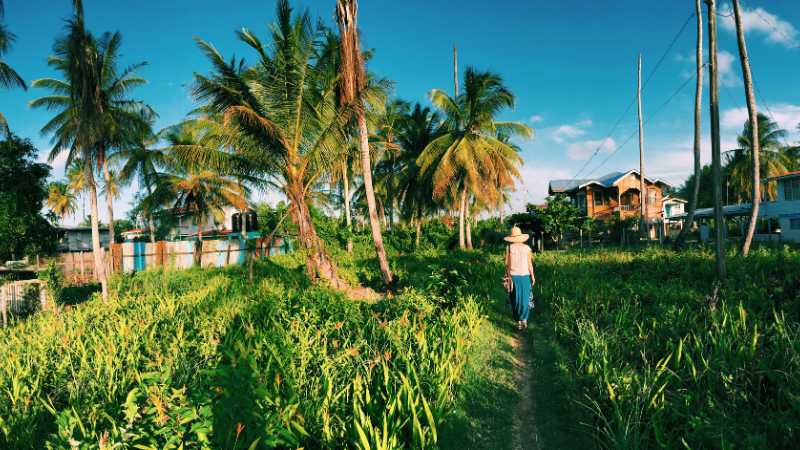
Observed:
{"x":20,"y":298}
{"x":78,"y":267}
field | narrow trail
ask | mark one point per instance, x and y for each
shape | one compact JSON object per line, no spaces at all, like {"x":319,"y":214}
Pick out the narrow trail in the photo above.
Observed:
{"x":526,"y":432}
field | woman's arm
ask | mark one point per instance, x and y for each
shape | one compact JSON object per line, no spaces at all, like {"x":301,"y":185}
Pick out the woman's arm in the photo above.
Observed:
{"x":530,"y":268}
{"x":508,"y":260}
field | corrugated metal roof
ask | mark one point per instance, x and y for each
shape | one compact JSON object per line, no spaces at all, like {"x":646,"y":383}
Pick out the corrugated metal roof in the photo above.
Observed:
{"x":608,"y":180}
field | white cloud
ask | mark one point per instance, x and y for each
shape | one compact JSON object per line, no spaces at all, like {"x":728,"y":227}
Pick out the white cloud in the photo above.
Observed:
{"x":774,"y":29}
{"x":786,"y":115}
{"x":563,"y":133}
{"x":532,"y":187}
{"x":536,"y":118}
{"x":581,"y":150}
{"x":727,"y":73}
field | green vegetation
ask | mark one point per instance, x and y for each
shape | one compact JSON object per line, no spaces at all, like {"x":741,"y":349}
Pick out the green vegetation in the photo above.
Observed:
{"x":206,"y":359}
{"x":661,"y":357}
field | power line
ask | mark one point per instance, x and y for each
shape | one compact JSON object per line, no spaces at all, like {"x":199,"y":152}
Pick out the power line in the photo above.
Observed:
{"x":647,"y":120}
{"x":633,"y":100}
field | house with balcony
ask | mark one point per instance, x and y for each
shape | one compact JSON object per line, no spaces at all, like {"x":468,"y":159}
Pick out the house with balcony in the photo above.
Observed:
{"x":614,"y":195}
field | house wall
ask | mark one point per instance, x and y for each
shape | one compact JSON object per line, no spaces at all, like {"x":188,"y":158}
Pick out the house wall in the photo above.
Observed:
{"x":81,"y":240}
{"x":611,"y":205}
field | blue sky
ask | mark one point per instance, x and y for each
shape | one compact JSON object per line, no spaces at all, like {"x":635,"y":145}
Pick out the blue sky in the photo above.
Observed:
{"x":571,"y":64}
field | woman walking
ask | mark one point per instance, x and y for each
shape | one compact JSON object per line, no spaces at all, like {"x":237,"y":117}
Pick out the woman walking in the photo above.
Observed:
{"x":519,"y":276}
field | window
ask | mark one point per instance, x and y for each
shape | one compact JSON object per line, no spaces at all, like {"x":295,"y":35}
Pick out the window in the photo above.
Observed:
{"x":581,"y":201}
{"x":791,"y":189}
{"x":599,"y":198}
{"x":651,"y":196}
{"x":794,"y":224}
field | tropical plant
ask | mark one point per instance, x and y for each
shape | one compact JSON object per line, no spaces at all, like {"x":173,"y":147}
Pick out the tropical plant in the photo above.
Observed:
{"x":352,"y":85}
{"x":142,"y":161}
{"x":9,"y":78}
{"x":280,"y":120}
{"x":60,"y":199}
{"x":414,"y":187}
{"x":469,"y":159}
{"x":739,"y":161}
{"x":93,"y":114}
{"x":388,"y":166}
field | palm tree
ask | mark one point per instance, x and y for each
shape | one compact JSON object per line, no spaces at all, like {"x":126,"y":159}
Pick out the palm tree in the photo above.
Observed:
{"x":60,"y":199}
{"x":142,"y":161}
{"x":353,"y":82}
{"x":469,"y":154}
{"x":387,"y":168}
{"x":77,"y":182}
{"x":415,"y":189}
{"x":698,"y":97}
{"x":280,"y":121}
{"x":739,"y":163}
{"x":9,"y":78}
{"x":76,"y":127}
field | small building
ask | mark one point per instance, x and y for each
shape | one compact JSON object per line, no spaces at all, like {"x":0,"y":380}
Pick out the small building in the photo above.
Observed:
{"x":614,"y":195}
{"x":135,"y":234}
{"x":780,"y":219}
{"x":230,"y":221}
{"x":79,"y":239}
{"x":672,"y":209}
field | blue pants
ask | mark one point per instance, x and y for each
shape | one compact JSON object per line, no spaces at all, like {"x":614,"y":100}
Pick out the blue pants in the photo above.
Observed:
{"x":520,"y":296}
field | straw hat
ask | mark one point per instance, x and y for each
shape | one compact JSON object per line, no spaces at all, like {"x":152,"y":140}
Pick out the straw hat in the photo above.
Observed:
{"x":516,"y":235}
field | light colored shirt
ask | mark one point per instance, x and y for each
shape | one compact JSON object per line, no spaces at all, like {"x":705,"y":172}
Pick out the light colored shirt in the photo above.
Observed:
{"x":518,"y":257}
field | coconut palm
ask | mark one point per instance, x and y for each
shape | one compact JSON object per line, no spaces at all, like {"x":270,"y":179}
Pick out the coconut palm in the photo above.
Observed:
{"x":60,"y":199}
{"x":280,"y":120}
{"x":77,"y":126}
{"x":353,"y":82}
{"x":469,"y":158}
{"x":386,"y":169}
{"x":77,"y":182}
{"x":415,"y":190}
{"x":9,"y":78}
{"x":142,"y":161}
{"x":774,"y":160}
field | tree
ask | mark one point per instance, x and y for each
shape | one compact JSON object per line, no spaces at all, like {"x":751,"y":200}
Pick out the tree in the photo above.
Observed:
{"x":23,"y":190}
{"x":141,"y":162}
{"x":60,"y":199}
{"x":698,"y":97}
{"x":772,"y":157}
{"x":469,"y":158}
{"x":415,"y":187}
{"x":753,"y":121}
{"x":387,"y":168}
{"x":76,"y":127}
{"x":9,"y":78}
{"x":93,"y":113}
{"x":557,"y":217}
{"x":77,"y":182}
{"x":280,"y":122}
{"x":716,"y":158}
{"x":353,"y":81}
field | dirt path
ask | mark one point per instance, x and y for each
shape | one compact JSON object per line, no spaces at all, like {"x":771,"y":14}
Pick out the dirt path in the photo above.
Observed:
{"x":526,"y":433}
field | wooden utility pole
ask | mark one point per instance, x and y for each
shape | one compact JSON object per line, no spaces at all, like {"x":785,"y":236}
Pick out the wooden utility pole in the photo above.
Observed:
{"x":698,"y":97}
{"x":755,"y":145}
{"x":642,"y":184}
{"x":716,"y":157}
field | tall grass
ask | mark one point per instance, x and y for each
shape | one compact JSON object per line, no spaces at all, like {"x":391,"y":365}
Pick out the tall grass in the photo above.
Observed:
{"x":665,"y":358}
{"x":204,"y":359}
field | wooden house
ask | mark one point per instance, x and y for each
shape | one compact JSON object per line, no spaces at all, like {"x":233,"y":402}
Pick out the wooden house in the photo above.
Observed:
{"x":614,"y":195}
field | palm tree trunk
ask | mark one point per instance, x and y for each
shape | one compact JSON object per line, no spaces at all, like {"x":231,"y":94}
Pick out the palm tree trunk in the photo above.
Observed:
{"x":755,"y":145}
{"x":370,"y":194}
{"x":97,"y":249}
{"x":348,"y":217}
{"x":698,"y":97}
{"x":198,"y":245}
{"x":418,"y":225}
{"x":318,"y":264}
{"x":716,"y":157}
{"x":109,"y":197}
{"x":151,"y":222}
{"x":468,"y":225}
{"x":461,"y":217}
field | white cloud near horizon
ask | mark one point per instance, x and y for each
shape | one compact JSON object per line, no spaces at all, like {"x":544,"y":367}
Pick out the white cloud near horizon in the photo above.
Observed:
{"x":582,"y":150}
{"x":536,"y":118}
{"x":758,"y":21}
{"x":787,"y":116}
{"x":727,"y":74}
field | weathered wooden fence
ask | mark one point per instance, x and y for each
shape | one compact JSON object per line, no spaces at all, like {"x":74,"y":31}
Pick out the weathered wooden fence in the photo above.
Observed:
{"x":78,"y":267}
